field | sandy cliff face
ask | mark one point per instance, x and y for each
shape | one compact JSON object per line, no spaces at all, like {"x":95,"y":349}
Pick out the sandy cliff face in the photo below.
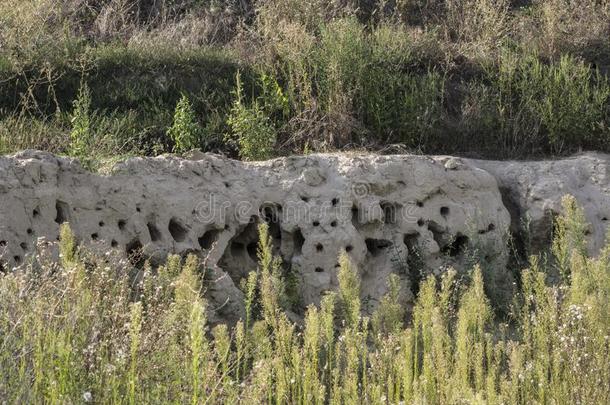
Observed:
{"x":532,"y":191}
{"x":392,"y":214}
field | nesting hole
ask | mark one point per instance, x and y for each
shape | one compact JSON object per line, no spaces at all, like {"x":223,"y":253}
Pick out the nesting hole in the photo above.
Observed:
{"x":177,"y":230}
{"x":438,"y":233}
{"x":114,"y":243}
{"x":101,"y":224}
{"x":319,"y":247}
{"x":62,"y":210}
{"x":421,"y":222}
{"x":94,"y":236}
{"x":349,"y":248}
{"x":414,"y":261}
{"x":121,"y":224}
{"x":355,"y":216}
{"x":334,"y":202}
{"x":29,"y":231}
{"x":208,"y":238}
{"x":244,"y":246}
{"x":134,"y":250}
{"x":316,"y":223}
{"x":23,"y":246}
{"x":17,"y":260}
{"x":252,"y":249}
{"x":2,"y":243}
{"x":411,"y":241}
{"x":36,"y":212}
{"x":419,"y":204}
{"x":458,"y":246}
{"x":377,"y":246}
{"x":333,"y":224}
{"x":489,"y":228}
{"x":154,"y":232}
{"x":298,"y":241}
{"x":271,"y":215}
{"x":319,"y":270}
{"x":237,"y":248}
{"x":444,"y":212}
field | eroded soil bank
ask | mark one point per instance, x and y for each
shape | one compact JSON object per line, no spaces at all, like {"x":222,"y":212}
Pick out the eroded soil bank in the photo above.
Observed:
{"x":392,"y":214}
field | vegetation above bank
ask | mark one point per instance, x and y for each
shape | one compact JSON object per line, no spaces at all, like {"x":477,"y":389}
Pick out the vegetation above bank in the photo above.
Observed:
{"x":255,"y":79}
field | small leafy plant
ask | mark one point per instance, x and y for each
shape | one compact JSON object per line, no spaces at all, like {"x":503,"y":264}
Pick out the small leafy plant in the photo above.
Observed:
{"x":81,"y":133}
{"x":252,"y":128}
{"x":185,"y":131}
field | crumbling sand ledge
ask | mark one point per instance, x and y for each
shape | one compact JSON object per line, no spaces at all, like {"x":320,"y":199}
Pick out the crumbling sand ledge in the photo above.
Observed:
{"x":383,"y":210}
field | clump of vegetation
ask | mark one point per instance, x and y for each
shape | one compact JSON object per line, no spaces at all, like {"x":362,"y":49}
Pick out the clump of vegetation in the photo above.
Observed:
{"x":82,"y":329}
{"x":565,"y":101}
{"x":185,"y":132}
{"x":256,"y":136}
{"x":495,"y":78}
{"x":81,"y":134}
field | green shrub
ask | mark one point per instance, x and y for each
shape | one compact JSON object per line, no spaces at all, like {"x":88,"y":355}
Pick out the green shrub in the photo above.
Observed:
{"x":81,"y":134}
{"x":397,"y":101}
{"x":473,"y":325}
{"x":573,"y":105}
{"x":97,"y":135}
{"x":272,"y":288}
{"x":562,"y":103}
{"x":251,"y":127}
{"x":185,"y":131}
{"x":356,"y":85}
{"x":349,"y":290}
{"x":569,"y":237}
{"x":341,"y":63}
{"x":389,"y":316}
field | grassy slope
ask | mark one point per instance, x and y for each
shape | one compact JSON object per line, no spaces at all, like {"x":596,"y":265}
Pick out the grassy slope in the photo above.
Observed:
{"x":482,"y":77}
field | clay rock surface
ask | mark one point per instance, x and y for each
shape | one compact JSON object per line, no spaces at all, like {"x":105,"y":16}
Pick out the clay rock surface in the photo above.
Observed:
{"x":532,"y":192}
{"x":392,"y":214}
